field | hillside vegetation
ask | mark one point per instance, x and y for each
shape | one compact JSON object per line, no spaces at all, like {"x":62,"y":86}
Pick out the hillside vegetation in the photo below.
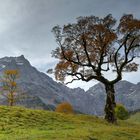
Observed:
{"x":17,"y":123}
{"x":135,"y":118}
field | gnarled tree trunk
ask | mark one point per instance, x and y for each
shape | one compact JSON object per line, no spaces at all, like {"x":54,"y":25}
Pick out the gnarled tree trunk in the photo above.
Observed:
{"x":110,"y":104}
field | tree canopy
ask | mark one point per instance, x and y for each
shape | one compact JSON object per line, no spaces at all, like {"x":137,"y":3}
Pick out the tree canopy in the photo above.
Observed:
{"x":89,"y":48}
{"x":93,"y":46}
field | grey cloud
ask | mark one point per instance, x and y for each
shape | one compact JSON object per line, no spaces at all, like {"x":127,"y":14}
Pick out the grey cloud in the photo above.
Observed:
{"x":25,"y":25}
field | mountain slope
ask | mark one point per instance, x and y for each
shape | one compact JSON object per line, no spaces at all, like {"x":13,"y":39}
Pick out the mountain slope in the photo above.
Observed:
{"x":40,"y":91}
{"x":126,"y":93}
{"x":40,"y":88}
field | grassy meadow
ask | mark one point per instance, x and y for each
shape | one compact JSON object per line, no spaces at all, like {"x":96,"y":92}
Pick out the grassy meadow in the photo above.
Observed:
{"x":18,"y":123}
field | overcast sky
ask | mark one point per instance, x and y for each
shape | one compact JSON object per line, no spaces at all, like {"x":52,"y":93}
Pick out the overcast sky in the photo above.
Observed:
{"x":25,"y":26}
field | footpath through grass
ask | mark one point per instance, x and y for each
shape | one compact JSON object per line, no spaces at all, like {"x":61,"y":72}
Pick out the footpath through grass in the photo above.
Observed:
{"x":18,"y":123}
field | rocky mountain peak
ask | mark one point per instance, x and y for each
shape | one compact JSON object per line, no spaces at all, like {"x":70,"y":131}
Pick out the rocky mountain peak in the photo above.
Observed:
{"x":13,"y":62}
{"x":138,"y":83}
{"x":21,"y":60}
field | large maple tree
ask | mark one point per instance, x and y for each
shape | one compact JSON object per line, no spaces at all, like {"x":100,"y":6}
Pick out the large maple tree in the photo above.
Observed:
{"x":91,"y":47}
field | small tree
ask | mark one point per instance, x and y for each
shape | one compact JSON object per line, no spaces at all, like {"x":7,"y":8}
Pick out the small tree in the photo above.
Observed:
{"x":10,"y":85}
{"x":64,"y":107}
{"x":121,"y":112}
{"x":91,"y":47}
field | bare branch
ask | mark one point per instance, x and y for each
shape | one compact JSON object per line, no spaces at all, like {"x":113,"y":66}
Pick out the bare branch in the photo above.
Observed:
{"x":73,"y":81}
{"x":87,"y":55}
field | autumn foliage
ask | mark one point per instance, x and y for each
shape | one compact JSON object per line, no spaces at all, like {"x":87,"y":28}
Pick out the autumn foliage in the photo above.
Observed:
{"x":93,"y":46}
{"x":10,"y":85}
{"x":64,"y":107}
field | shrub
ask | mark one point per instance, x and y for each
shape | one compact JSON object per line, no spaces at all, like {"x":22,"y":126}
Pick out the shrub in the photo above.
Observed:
{"x":64,"y":107}
{"x":121,"y":112}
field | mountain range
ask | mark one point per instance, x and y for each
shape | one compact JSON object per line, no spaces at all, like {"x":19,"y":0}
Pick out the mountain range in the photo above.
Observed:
{"x":39,"y":91}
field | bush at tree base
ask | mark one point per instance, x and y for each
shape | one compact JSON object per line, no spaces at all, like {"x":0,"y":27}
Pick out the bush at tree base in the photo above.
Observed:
{"x":121,"y":112}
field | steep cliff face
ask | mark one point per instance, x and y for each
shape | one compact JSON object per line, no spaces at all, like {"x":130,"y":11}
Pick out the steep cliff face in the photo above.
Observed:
{"x":38,"y":90}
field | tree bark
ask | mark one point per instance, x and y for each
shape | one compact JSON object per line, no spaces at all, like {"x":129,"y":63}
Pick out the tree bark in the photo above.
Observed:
{"x":110,"y":104}
{"x":11,"y":99}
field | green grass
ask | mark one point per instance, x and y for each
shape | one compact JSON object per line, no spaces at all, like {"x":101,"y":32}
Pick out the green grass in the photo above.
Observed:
{"x":135,"y":118}
{"x":18,"y":123}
